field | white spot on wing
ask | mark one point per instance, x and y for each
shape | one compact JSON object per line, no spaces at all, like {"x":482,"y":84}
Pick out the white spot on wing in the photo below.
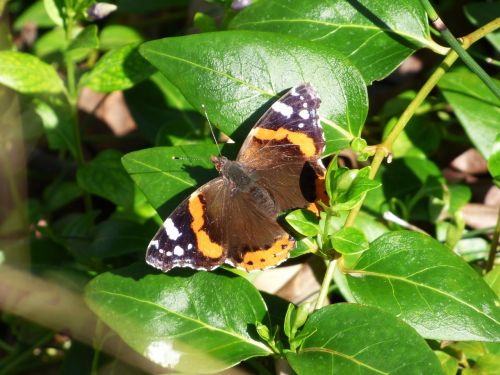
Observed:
{"x":179,"y":251}
{"x":163,"y":354}
{"x":169,"y":253}
{"x":301,"y":125}
{"x":172,"y":231}
{"x":154,"y":243}
{"x":301,"y":97}
{"x":283,"y":109}
{"x":304,"y":105}
{"x":161,"y":251}
{"x":190,"y":247}
{"x":294,"y":91}
{"x":304,"y":114}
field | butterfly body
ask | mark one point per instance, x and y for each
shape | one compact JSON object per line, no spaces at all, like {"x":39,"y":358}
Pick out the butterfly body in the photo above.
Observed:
{"x":233,"y":218}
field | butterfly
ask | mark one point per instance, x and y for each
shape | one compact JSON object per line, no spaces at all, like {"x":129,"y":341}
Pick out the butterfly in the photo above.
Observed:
{"x":233,"y":218}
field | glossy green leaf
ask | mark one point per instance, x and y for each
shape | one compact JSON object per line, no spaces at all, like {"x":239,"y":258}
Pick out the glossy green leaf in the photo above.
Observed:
{"x":236,"y":89}
{"x":118,"y":69}
{"x":414,"y":277}
{"x":475,"y":106}
{"x":494,"y":161}
{"x":375,"y":35}
{"x":355,"y":339}
{"x":480,"y":13}
{"x":106,"y":177}
{"x":166,"y":174}
{"x":83,"y":43}
{"x":51,"y":45}
{"x":35,"y":14}
{"x":349,"y":241}
{"x":28,"y":74}
{"x":360,"y":185}
{"x":304,"y":222}
{"x":114,"y":36}
{"x":192,"y":322}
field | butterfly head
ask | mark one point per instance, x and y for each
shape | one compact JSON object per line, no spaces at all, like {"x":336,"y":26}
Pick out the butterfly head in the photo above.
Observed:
{"x":219,"y":162}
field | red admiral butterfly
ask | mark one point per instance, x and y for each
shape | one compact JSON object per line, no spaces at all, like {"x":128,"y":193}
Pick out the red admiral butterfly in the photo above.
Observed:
{"x":233,"y":218}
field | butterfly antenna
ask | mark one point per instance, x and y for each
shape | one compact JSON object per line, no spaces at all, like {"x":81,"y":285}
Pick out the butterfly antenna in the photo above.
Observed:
{"x":211,"y":129}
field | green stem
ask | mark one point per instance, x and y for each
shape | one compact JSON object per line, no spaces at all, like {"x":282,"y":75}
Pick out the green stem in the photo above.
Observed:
{"x":325,"y":285}
{"x":384,"y":149}
{"x":459,"y":49}
{"x":73,"y":101}
{"x":494,"y":245}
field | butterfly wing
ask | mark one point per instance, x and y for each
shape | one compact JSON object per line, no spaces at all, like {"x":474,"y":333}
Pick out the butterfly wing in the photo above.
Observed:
{"x":284,"y":149}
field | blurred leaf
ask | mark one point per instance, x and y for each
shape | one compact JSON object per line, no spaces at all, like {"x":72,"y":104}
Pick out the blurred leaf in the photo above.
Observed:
{"x":448,"y":363}
{"x":374,"y":36}
{"x":494,"y":161}
{"x":204,"y":22}
{"x":166,"y":174}
{"x":460,"y":195}
{"x":304,"y":222}
{"x":54,"y":10}
{"x":485,"y":365}
{"x":235,"y":90}
{"x":163,"y":115}
{"x":480,"y":13}
{"x":51,"y":45}
{"x":35,"y":14}
{"x":75,"y":231}
{"x":186,"y":321}
{"x":59,"y":194}
{"x":27,"y":74}
{"x":119,"y":237}
{"x":119,"y":69}
{"x":492,"y":278}
{"x":355,"y":339}
{"x":349,"y":241}
{"x":143,"y":6}
{"x":414,"y":277}
{"x":114,"y":36}
{"x":475,"y":106}
{"x":83,"y":43}
{"x":105,"y":176}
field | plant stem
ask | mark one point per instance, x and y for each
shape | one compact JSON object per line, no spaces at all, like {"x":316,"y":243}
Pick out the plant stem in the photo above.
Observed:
{"x":494,"y":245}
{"x":384,"y":149}
{"x":73,"y":101}
{"x":459,"y":49}
{"x":325,"y":286}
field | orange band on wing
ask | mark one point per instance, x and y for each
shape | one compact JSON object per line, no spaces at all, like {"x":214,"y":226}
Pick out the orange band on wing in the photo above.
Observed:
{"x":206,"y":246}
{"x":302,"y":140}
{"x":277,"y":253}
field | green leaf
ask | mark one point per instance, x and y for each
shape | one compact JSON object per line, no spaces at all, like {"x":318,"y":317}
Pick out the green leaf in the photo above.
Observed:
{"x":166,"y":174}
{"x":54,"y":10}
{"x":360,"y":185}
{"x":481,"y":13}
{"x":354,"y":339}
{"x":204,"y":22}
{"x":475,"y":106}
{"x":492,"y":278}
{"x":374,"y":36}
{"x":460,"y":195}
{"x":106,"y":177}
{"x":189,"y":322}
{"x":34,"y":14}
{"x":83,"y":43}
{"x":422,"y":282}
{"x":448,"y":363}
{"x":51,"y":45}
{"x":28,"y":74}
{"x":494,"y":161}
{"x":235,"y":89}
{"x":485,"y":365}
{"x":304,"y":222}
{"x":119,"y":69}
{"x":143,"y":6}
{"x":163,"y":115}
{"x":349,"y":241}
{"x":114,"y":36}
{"x":59,"y":194}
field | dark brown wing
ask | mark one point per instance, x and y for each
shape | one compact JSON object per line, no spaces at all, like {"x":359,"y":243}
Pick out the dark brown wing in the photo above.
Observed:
{"x":284,"y":149}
